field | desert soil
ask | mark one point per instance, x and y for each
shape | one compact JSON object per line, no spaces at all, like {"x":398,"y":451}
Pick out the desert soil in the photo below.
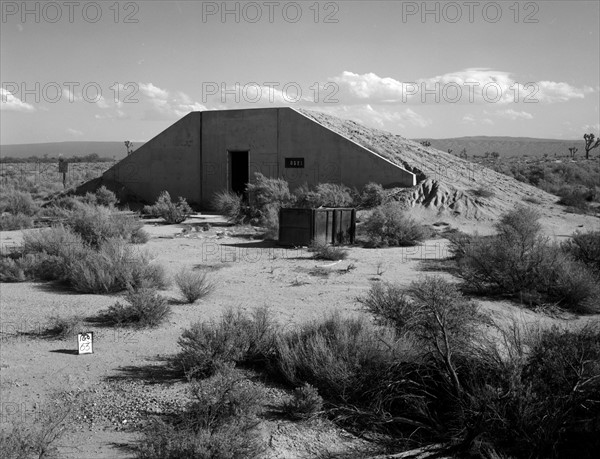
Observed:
{"x":124,"y":380}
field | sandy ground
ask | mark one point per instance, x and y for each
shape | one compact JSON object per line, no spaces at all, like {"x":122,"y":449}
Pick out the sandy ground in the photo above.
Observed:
{"x":249,"y":273}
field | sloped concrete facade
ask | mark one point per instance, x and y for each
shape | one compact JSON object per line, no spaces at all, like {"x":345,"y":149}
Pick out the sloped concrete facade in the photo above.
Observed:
{"x":205,"y":152}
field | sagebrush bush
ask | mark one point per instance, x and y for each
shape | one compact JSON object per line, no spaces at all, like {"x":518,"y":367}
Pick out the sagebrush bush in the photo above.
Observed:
{"x":96,"y":224}
{"x":63,"y":327}
{"x":337,"y":355}
{"x":575,"y":198}
{"x":520,"y":262}
{"x":230,"y":204}
{"x":105,"y":197}
{"x":144,"y":308}
{"x":10,"y":222}
{"x":264,"y":192}
{"x":235,"y":338}
{"x":585,"y":247}
{"x":390,"y":225}
{"x":220,"y":422}
{"x":171,"y":212}
{"x":18,"y":202}
{"x":324,"y":251}
{"x":372,"y":195}
{"x":306,"y":403}
{"x":194,"y":285}
{"x":58,"y":253}
{"x":113,"y":267}
{"x":266,"y":196}
{"x":37,"y":436}
{"x":540,"y":403}
{"x":324,"y":195}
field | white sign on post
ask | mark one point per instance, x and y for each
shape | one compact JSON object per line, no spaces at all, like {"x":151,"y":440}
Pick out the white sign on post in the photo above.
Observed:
{"x":84,"y":343}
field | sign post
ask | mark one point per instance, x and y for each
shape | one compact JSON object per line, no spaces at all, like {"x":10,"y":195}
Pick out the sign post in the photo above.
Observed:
{"x":85,"y":343}
{"x":63,"y":167}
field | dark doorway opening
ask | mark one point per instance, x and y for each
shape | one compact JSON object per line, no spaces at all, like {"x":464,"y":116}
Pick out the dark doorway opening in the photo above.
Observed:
{"x":239,"y":171}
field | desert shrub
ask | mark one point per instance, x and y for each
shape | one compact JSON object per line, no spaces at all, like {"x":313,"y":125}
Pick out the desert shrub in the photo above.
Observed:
{"x":63,"y":327}
{"x":96,"y":224}
{"x":518,"y":261}
{"x":105,"y":197}
{"x":51,"y":252}
{"x":390,"y":225}
{"x":67,"y":202}
{"x":11,"y":271}
{"x":59,"y":254}
{"x":266,"y":197}
{"x":170,"y":211}
{"x":306,"y":403}
{"x":230,"y":204}
{"x":144,"y":308}
{"x":139,"y":236}
{"x":585,"y":247}
{"x":10,"y":222}
{"x":235,"y":338}
{"x":220,"y":422}
{"x":324,"y":251}
{"x":433,"y":310}
{"x":372,"y":195}
{"x":339,"y":356}
{"x":324,"y":195}
{"x":113,"y":267}
{"x":194,"y":285}
{"x":542,"y":403}
{"x":18,"y":202}
{"x":482,"y":192}
{"x":40,"y":437}
{"x":265,"y":192}
{"x":575,"y":198}
{"x":389,"y":303}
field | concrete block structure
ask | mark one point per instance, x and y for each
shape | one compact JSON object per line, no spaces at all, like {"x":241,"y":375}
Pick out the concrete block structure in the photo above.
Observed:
{"x":207,"y":152}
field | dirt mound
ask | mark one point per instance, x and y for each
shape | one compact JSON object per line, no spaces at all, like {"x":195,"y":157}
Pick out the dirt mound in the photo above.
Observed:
{"x":445,"y":183}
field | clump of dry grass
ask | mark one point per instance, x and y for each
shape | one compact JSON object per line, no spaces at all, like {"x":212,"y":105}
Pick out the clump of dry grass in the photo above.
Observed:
{"x":194,"y":285}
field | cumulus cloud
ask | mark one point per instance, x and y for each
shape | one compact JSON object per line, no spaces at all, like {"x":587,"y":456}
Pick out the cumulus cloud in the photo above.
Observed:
{"x":8,"y":102}
{"x":514,"y":115}
{"x":471,"y":85}
{"x":166,"y":106}
{"x":153,"y":92}
{"x":74,"y":132}
{"x":379,"y":117}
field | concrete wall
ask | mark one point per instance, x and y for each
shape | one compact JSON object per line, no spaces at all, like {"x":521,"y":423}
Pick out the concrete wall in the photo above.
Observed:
{"x":330,"y":157}
{"x":190,"y":158}
{"x":170,"y":161}
{"x":253,"y":130}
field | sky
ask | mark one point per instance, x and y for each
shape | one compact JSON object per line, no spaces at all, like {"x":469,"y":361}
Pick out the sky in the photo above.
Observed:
{"x":111,"y":71}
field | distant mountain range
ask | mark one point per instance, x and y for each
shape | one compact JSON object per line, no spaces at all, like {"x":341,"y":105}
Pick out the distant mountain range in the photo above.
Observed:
{"x":67,"y":149}
{"x":506,"y":146}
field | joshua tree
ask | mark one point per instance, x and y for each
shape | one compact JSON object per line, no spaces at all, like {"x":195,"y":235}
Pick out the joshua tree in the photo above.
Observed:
{"x":450,"y":150}
{"x":573,"y":151}
{"x":129,"y":146}
{"x":589,"y":144}
{"x":463,"y":153}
